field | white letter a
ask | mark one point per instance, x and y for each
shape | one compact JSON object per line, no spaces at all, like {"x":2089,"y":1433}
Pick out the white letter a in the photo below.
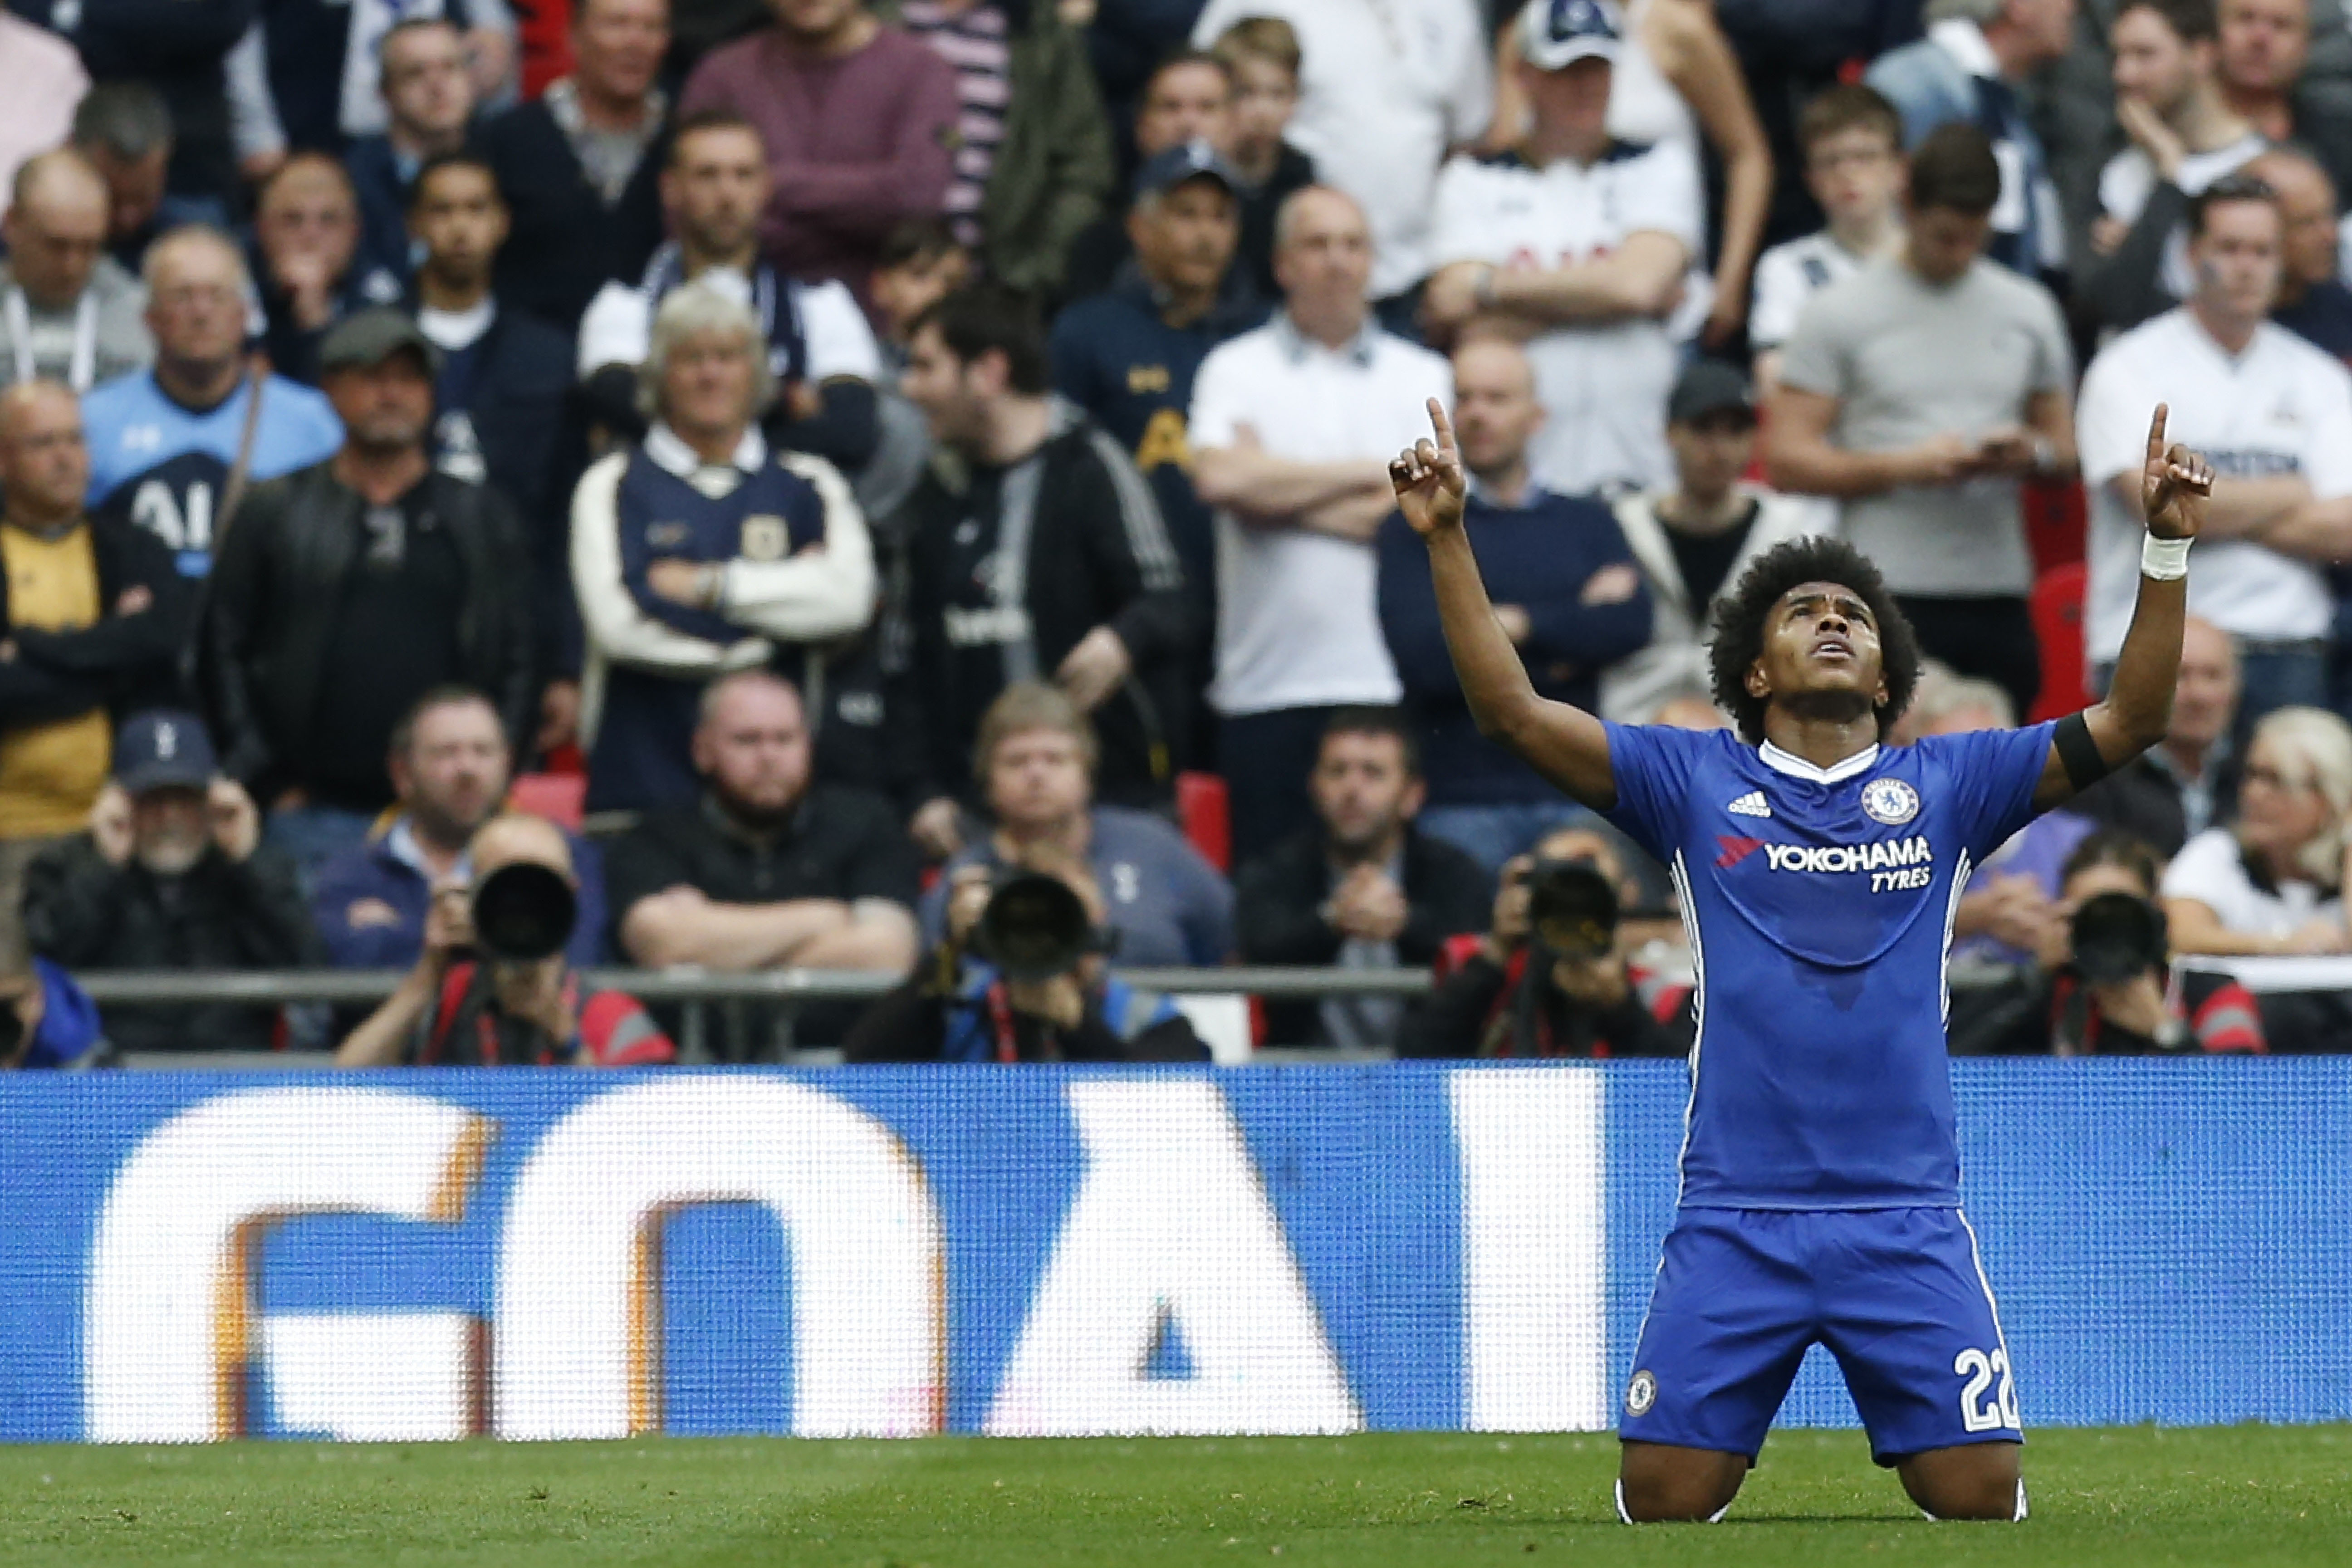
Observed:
{"x":1172,"y":1236}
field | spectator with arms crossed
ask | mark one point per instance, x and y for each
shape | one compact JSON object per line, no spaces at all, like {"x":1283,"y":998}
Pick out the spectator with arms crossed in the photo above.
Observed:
{"x":1813,"y":862}
{"x":701,"y":551}
{"x":1289,"y":424}
{"x":767,"y":870}
{"x":1577,"y":602}
{"x":2276,"y":415}
{"x":1576,"y":243}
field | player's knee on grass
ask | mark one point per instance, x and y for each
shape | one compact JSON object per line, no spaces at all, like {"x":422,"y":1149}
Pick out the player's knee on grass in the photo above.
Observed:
{"x":1981,"y":1480}
{"x":1657,"y":1482}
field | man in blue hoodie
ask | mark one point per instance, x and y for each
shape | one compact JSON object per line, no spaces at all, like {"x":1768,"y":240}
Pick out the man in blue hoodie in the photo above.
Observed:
{"x":1577,"y":600}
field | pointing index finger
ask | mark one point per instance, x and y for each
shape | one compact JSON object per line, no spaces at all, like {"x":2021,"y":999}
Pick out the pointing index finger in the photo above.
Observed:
{"x":2156,"y":430}
{"x":1441,"y":425}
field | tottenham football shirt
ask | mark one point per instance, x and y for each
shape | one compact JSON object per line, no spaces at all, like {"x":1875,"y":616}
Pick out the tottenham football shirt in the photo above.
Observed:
{"x":1819,"y":906}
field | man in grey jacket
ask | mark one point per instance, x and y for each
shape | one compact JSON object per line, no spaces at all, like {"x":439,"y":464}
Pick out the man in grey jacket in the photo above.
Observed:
{"x":68,"y":312}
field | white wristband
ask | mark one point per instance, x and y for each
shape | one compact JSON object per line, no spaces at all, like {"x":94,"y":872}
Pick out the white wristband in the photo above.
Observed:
{"x":2163,"y":560}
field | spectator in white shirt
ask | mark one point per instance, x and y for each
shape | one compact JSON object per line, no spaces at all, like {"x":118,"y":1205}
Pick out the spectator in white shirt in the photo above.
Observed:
{"x":1852,"y":144}
{"x":1387,"y":87}
{"x":2273,"y":882}
{"x":1577,"y":243}
{"x":2275,"y":415}
{"x":1292,"y":426}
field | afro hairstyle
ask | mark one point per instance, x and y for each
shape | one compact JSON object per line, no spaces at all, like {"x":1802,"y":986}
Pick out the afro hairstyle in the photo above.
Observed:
{"x":1740,"y":617}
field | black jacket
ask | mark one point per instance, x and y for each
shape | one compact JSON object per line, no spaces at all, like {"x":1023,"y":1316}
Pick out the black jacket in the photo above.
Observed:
{"x":86,"y":913}
{"x":1098,"y":554}
{"x":278,"y":585}
{"x":1277,"y":913}
{"x":565,"y":244}
{"x":2142,"y":799}
{"x":911,"y":1024}
{"x":121,"y":664}
{"x":1482,"y":1009}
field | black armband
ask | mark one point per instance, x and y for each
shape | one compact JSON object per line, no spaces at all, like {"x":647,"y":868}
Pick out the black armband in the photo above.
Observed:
{"x":2079,"y":752}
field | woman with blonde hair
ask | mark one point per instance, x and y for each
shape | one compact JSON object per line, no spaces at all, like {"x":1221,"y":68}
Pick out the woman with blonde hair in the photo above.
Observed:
{"x":2273,"y":882}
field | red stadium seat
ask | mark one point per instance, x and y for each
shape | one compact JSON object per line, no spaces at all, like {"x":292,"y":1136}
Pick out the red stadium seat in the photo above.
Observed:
{"x":2057,"y":606}
{"x":561,"y":798}
{"x":1205,"y":812}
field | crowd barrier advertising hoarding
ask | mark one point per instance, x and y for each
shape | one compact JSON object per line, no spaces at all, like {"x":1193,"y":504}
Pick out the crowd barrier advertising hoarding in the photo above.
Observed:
{"x":1033,"y":1250}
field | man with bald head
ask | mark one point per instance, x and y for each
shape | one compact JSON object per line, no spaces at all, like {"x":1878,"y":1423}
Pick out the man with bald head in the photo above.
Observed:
{"x":166,"y":443}
{"x":68,"y":312}
{"x":768,"y":869}
{"x":1288,"y":426}
{"x":2313,"y":303}
{"x":313,"y":272}
{"x":2188,"y":780}
{"x":91,"y":615}
{"x":1576,"y":603}
{"x":467,"y":1004}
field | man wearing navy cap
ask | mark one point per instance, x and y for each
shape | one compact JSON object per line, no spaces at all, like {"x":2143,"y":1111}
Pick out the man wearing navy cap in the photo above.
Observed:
{"x":170,"y":875}
{"x":1128,"y":355}
{"x":1575,"y":244}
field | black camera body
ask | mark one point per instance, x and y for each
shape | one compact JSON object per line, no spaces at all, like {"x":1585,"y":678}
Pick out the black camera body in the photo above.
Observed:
{"x":1572,"y":907}
{"x":524,"y":912}
{"x":1035,"y":927}
{"x":2116,"y":937}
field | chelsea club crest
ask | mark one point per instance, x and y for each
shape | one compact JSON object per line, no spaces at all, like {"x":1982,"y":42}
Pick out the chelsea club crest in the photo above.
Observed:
{"x":1890,"y":801}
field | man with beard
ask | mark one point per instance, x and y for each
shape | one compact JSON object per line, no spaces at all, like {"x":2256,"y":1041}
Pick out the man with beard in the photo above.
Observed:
{"x":171,"y":875}
{"x":450,"y":767}
{"x":767,"y":871}
{"x":352,"y":588}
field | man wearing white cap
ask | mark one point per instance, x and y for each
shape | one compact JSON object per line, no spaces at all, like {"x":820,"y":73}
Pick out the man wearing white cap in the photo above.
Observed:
{"x":1576,"y":242}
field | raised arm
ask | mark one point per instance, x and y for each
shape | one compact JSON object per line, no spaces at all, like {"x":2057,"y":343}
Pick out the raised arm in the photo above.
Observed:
{"x":1564,"y":744}
{"x":2175,"y":485}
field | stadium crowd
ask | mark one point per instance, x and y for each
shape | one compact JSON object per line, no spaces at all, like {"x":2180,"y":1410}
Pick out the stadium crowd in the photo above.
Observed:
{"x":784,"y":471}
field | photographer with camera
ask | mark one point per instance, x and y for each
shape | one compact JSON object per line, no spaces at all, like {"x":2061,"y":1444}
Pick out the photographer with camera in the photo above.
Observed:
{"x":1022,"y":978}
{"x":2105,"y":985}
{"x":1550,"y":977}
{"x":492,"y":987}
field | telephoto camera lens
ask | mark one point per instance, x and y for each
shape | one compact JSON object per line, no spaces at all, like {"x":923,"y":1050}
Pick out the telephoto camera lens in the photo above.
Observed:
{"x":524,"y":912}
{"x":1033,"y":928}
{"x":2117,"y":936}
{"x":1573,"y":908}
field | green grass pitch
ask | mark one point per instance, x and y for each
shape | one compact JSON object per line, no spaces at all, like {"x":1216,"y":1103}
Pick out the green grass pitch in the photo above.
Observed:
{"x":2237,"y":1497}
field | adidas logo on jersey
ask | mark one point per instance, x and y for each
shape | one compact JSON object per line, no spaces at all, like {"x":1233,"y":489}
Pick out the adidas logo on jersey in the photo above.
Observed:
{"x":1750,"y":804}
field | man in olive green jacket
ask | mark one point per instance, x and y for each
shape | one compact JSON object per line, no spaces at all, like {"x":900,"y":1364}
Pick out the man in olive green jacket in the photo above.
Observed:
{"x":1056,"y":167}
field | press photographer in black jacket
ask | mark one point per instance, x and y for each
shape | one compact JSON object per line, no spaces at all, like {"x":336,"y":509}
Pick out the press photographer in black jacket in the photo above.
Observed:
{"x":1552,"y":978}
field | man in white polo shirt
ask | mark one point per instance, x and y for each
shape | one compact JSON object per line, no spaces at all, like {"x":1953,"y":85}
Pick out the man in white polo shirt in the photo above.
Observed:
{"x":1577,"y":243}
{"x":2275,"y":415}
{"x":1292,"y":428}
{"x":1386,"y":88}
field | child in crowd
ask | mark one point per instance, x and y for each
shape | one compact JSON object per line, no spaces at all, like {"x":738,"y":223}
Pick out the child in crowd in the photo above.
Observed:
{"x":1261,"y":55}
{"x":1851,"y":140}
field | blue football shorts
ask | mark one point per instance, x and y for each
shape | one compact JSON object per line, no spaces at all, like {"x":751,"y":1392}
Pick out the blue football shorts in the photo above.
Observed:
{"x":1897,"y":1295}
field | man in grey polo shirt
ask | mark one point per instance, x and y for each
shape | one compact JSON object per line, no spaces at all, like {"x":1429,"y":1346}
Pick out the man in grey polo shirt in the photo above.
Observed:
{"x":1919,"y":392}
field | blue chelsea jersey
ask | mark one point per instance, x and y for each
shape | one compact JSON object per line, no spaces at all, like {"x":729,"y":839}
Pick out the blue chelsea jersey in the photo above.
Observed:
{"x":1819,"y":904}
